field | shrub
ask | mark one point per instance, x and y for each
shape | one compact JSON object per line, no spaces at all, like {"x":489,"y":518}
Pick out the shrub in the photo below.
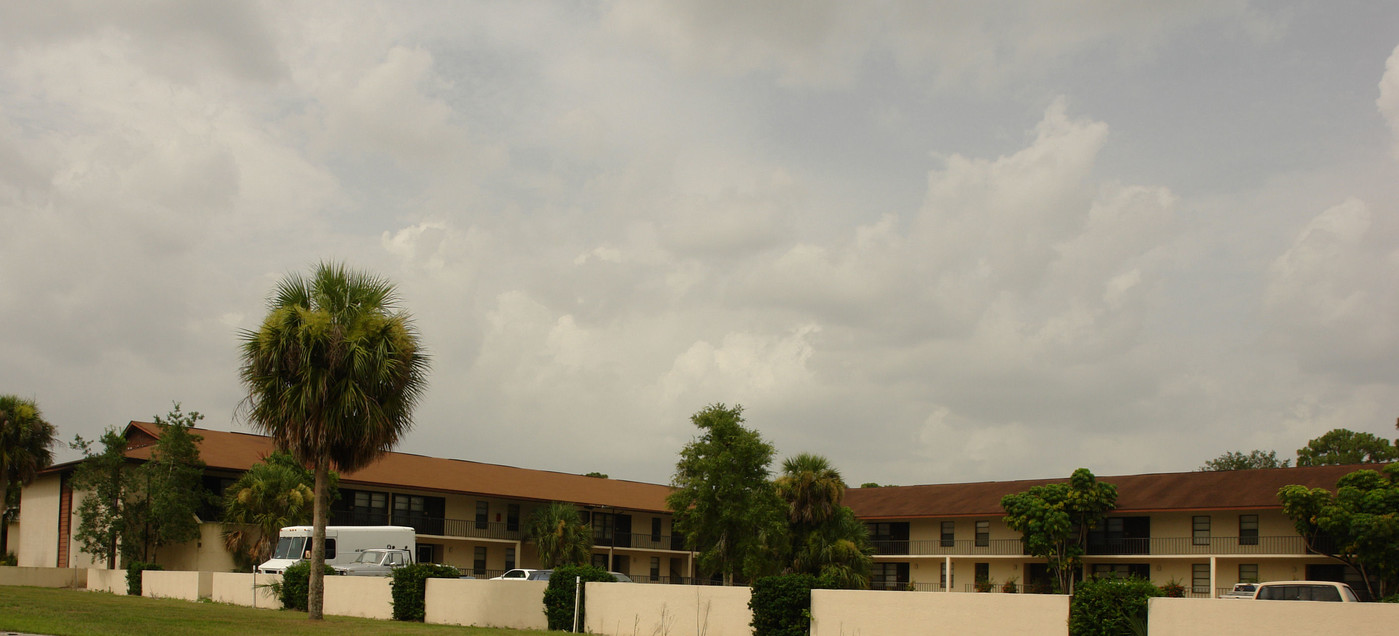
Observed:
{"x":1110,"y":607}
{"x":296,"y":584}
{"x":984,"y":586}
{"x":558,"y":597}
{"x":1173,"y":589}
{"x":781,"y":605}
{"x":9,"y":559}
{"x":410,"y":588}
{"x":1009,"y":587}
{"x":133,"y":575}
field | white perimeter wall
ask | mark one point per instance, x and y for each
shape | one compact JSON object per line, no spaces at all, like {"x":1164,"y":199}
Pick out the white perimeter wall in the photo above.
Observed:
{"x":676,"y":610}
{"x":104,"y":580}
{"x":248,"y":590}
{"x":43,"y":577}
{"x":1181,"y":616}
{"x":508,"y":604}
{"x":190,"y":586}
{"x":362,"y":596}
{"x":884,"y":613}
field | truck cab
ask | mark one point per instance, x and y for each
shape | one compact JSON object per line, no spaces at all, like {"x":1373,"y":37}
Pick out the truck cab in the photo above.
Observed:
{"x":376,"y":562}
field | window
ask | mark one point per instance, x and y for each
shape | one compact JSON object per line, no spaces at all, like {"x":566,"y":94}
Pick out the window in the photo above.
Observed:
{"x":362,"y":508}
{"x":510,"y":558}
{"x":889,"y":538}
{"x":1121,"y":570}
{"x":655,"y":568}
{"x":483,"y":515}
{"x":889,"y":576}
{"x":948,"y":534}
{"x":983,"y":534}
{"x":1248,"y":529}
{"x":424,"y":514}
{"x":983,"y":572}
{"x":1248,"y":572}
{"x":512,"y":518}
{"x":611,"y":529}
{"x":600,"y":561}
{"x":1121,"y":535}
{"x":1200,"y":578}
{"x":655,"y":529}
{"x":943,"y":579}
{"x":478,"y":564}
{"x":427,"y":553}
{"x":1200,"y":530}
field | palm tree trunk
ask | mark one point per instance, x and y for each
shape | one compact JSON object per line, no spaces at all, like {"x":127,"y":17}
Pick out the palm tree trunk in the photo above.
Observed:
{"x":315,"y":594}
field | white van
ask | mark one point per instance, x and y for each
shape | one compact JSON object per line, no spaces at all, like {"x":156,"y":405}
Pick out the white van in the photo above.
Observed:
{"x":342,"y":544}
{"x":1305,"y":591}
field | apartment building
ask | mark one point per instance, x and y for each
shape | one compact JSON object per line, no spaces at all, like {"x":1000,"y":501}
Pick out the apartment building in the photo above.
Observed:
{"x":467,"y":514}
{"x":1205,"y":530}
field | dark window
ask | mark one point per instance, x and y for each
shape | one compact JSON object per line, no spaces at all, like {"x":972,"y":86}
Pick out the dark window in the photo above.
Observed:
{"x":212,"y":509}
{"x":943,"y":578}
{"x":655,"y":529}
{"x":483,"y":515}
{"x":478,"y":564}
{"x":1248,"y":572}
{"x":983,"y":534}
{"x":362,"y":508}
{"x":949,"y":532}
{"x":330,"y":548}
{"x":510,"y":558}
{"x":1200,"y":530}
{"x":1200,"y":578}
{"x":512,"y":518}
{"x":600,"y":561}
{"x":423,"y":514}
{"x":889,"y":576}
{"x":611,"y":529}
{"x":655,"y":568}
{"x":889,"y":538}
{"x":1248,"y":529}
{"x":1121,"y":570}
{"x":983,"y":572}
{"x":1121,"y":535}
{"x":427,"y":553}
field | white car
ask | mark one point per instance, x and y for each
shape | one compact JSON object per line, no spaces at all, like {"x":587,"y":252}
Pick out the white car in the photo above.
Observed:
{"x":517,"y":574}
{"x":1305,"y":591}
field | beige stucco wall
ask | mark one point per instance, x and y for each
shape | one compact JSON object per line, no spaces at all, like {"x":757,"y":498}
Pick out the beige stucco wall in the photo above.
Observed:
{"x":37,"y":541}
{"x":1191,"y":617}
{"x":248,"y":590}
{"x":43,"y":577}
{"x":190,"y":586}
{"x":678,"y":610}
{"x":836,"y":612}
{"x":104,"y":580}
{"x":207,"y":553}
{"x":363,"y":596}
{"x":507,"y":604}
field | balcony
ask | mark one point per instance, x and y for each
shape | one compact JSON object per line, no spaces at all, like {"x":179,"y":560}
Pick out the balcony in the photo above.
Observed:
{"x":937,"y":547}
{"x":639,"y":541}
{"x":1165,"y":546}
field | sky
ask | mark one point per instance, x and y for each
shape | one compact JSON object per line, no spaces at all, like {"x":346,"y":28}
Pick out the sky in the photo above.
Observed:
{"x":933,"y":242}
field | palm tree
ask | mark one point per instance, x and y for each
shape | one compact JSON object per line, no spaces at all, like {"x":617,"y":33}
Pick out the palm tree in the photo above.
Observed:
{"x":559,"y":535}
{"x":826,"y":538}
{"x":273,"y":494}
{"x":812,"y":488}
{"x":25,"y":439}
{"x":333,"y":375}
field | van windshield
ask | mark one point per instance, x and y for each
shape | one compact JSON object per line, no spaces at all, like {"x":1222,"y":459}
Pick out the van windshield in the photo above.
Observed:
{"x":289,"y":548}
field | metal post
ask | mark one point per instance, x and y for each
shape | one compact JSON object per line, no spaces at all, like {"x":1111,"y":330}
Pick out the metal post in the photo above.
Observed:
{"x":577,"y":592}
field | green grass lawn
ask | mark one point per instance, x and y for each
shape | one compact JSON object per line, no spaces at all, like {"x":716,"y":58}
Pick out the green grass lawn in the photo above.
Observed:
{"x":60,"y":612}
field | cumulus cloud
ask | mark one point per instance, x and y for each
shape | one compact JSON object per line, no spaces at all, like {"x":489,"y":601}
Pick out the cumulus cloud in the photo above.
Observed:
{"x":1388,"y":101}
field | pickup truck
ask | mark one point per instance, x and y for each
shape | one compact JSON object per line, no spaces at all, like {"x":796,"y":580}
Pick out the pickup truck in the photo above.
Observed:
{"x":376,"y":562}
{"x":1241,"y":590}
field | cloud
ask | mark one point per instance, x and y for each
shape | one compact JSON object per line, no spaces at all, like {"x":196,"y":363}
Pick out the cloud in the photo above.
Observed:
{"x":1388,"y":101}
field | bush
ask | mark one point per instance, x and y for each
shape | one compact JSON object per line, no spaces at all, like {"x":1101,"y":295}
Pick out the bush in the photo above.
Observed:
{"x":1173,"y":589}
{"x":1110,"y":607}
{"x":9,"y":559}
{"x":296,"y":585}
{"x":984,"y":586}
{"x":781,"y":605}
{"x":133,"y":575}
{"x":410,"y":588}
{"x":1009,"y":587}
{"x":558,"y":597}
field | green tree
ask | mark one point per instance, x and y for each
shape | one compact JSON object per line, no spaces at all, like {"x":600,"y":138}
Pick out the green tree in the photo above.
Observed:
{"x":275,"y":493}
{"x":333,"y":374}
{"x":559,"y":535}
{"x":1358,"y":525}
{"x":1054,"y":520}
{"x":1236,"y":460}
{"x":107,"y":480}
{"x":723,"y":502}
{"x":1343,"y":446}
{"x":25,"y":443}
{"x":826,"y":538}
{"x":171,"y":485}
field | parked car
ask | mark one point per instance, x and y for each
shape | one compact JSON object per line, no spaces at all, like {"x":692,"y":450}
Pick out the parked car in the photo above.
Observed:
{"x":1241,"y":590}
{"x":376,"y":562}
{"x":543,"y":575}
{"x":517,"y":574}
{"x":1305,"y":591}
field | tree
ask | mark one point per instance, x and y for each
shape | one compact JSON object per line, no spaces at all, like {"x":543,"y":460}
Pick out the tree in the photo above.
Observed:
{"x":275,"y":492}
{"x":171,"y":485}
{"x":1343,"y":446}
{"x":1358,"y":525}
{"x":25,"y":441}
{"x":560,"y":535}
{"x":826,"y":538}
{"x":1054,"y":520}
{"x":333,"y":374}
{"x":107,"y":479}
{"x":723,"y":502}
{"x":1235,"y":460}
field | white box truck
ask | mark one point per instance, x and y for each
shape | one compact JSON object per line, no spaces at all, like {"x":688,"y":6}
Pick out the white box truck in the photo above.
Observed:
{"x":343,"y":544}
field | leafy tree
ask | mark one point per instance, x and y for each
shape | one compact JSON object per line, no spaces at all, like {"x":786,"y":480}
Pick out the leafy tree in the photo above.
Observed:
{"x":1343,"y":446}
{"x":1358,"y":525}
{"x":172,"y":487}
{"x":596,"y":474}
{"x":108,"y":481}
{"x":25,"y":441}
{"x":333,"y":374}
{"x":826,"y":538}
{"x":1054,"y":520}
{"x":559,"y":535}
{"x":723,"y":502}
{"x":1236,"y":460}
{"x":272,"y":494}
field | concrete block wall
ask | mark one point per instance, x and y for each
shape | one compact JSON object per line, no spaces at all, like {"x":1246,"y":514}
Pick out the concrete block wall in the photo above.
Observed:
{"x":677,"y":610}
{"x":189,"y":586}
{"x":1192,"y":616}
{"x":856,"y":612}
{"x":43,"y":577}
{"x":248,"y":590}
{"x":362,"y":596}
{"x":104,"y":580}
{"x":507,"y":604}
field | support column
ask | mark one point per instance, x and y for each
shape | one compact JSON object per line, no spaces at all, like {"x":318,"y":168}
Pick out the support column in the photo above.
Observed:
{"x":1213,"y":573}
{"x":947,"y":563}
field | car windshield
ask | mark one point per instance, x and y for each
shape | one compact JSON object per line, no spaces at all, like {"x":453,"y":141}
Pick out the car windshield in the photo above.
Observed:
{"x":369,"y":557}
{"x":289,"y":548}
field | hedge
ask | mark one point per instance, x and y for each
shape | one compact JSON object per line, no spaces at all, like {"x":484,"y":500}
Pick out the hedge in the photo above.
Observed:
{"x":410,"y":588}
{"x":558,"y":597}
{"x":1110,"y":607}
{"x":296,"y":585}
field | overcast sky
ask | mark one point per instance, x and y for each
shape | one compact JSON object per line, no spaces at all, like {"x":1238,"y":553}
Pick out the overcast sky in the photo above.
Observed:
{"x":933,"y":242}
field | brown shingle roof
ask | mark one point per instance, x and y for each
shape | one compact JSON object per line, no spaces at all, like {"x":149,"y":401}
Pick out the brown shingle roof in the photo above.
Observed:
{"x":1214,"y":490}
{"x":238,"y":451}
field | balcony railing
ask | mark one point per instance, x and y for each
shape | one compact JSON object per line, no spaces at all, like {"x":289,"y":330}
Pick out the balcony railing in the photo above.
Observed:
{"x":640,"y":541}
{"x":1158,"y":546}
